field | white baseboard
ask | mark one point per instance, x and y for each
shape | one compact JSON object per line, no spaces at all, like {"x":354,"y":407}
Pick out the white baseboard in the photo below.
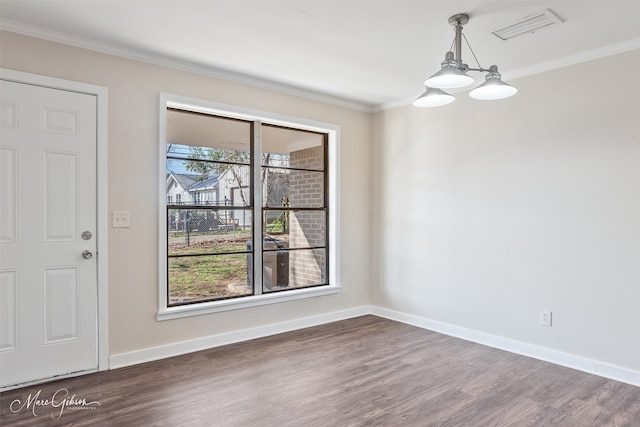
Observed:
{"x":590,"y":366}
{"x":184,"y":347}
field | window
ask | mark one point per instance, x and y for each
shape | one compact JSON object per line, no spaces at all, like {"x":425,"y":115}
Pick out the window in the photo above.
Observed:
{"x":254,"y":218}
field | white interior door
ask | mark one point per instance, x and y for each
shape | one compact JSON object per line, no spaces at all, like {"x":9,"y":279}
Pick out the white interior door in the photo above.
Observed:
{"x":48,"y":267}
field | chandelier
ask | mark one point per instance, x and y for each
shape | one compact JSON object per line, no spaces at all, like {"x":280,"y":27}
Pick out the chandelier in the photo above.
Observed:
{"x":453,"y":74}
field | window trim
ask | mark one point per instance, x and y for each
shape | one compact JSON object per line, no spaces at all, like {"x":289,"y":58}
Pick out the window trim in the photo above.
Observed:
{"x":166,"y":312}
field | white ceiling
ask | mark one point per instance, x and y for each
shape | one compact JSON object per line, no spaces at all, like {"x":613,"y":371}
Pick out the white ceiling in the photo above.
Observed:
{"x":364,"y":54}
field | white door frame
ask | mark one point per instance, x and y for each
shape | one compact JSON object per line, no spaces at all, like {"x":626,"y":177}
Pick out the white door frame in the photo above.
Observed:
{"x":102,"y":228}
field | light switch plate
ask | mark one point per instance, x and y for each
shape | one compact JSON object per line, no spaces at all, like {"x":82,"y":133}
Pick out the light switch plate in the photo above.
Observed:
{"x":121,"y":219}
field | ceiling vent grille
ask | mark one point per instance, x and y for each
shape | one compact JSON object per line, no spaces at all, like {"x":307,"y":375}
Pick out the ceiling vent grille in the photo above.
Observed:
{"x":528,"y":25}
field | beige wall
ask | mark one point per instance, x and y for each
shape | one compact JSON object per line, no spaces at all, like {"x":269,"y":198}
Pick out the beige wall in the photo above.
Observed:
{"x":133,"y":152}
{"x":491,"y":211}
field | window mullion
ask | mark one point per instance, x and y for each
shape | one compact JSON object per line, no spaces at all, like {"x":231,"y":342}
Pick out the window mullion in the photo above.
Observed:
{"x":256,"y":194}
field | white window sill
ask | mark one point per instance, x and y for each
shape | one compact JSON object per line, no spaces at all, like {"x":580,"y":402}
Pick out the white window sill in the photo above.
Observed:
{"x":198,"y":309}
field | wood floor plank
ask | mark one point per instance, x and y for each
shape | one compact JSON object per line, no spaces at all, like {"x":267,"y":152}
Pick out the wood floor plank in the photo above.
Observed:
{"x":366,"y":371}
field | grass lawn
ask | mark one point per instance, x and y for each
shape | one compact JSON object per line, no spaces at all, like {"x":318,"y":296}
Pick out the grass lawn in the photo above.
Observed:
{"x":208,"y":276}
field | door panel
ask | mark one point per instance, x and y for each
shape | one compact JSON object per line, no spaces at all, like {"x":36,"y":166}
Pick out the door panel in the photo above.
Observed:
{"x":9,"y":191}
{"x":48,"y":289}
{"x":60,"y":304}
{"x":8,"y":310}
{"x":60,"y":196}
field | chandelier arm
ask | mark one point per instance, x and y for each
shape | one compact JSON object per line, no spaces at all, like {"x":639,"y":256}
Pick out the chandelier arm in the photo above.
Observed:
{"x":474,"y":54}
{"x":482,"y":70}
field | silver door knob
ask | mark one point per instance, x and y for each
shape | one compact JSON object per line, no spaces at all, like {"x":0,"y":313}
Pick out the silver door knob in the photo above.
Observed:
{"x":87,"y":254}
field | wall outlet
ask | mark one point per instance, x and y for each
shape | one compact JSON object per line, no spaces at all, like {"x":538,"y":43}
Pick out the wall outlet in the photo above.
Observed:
{"x":344,"y":287}
{"x":121,"y":219}
{"x":545,"y":317}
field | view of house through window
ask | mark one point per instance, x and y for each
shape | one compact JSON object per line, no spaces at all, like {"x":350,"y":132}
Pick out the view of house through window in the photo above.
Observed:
{"x":213,"y":207}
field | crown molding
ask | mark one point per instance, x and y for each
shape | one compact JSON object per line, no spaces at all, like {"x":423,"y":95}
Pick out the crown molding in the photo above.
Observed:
{"x":245,"y":79}
{"x":575,"y":59}
{"x":169,"y":62}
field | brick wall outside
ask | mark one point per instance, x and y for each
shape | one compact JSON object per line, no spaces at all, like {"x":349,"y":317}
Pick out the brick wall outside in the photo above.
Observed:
{"x":306,"y":189}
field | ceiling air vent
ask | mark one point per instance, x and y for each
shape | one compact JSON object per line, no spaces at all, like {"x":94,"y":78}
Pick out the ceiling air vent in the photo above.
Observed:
{"x":528,"y":25}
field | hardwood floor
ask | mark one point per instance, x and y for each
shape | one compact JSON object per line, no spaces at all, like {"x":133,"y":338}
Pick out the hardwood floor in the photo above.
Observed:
{"x":366,"y":371}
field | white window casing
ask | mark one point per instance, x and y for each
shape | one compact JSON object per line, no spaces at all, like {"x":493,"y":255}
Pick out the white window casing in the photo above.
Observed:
{"x":332,"y":131}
